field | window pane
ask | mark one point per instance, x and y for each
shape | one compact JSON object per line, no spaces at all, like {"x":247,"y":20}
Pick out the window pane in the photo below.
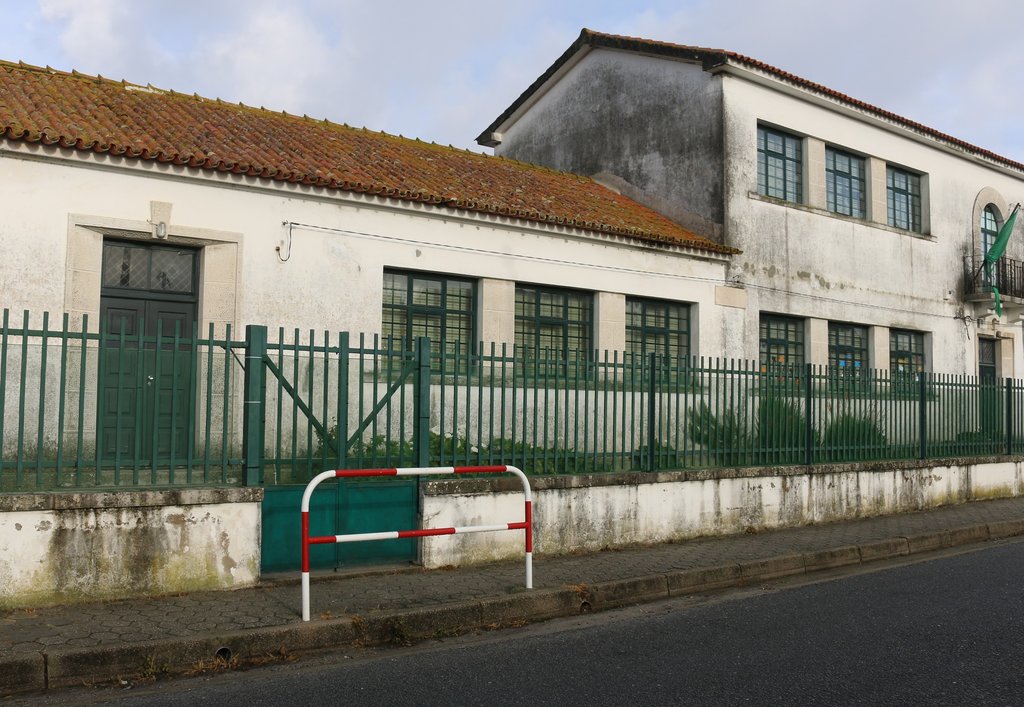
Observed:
{"x":125,"y":266}
{"x":782,"y":340}
{"x":903,"y":197}
{"x":844,"y":183}
{"x":658,"y":327}
{"x":906,"y":352}
{"x":439,"y":308}
{"x":779,"y":168}
{"x":395,"y":287}
{"x":553,"y":324}
{"x":847,"y":353}
{"x":989,"y":228}
{"x":172,"y":270}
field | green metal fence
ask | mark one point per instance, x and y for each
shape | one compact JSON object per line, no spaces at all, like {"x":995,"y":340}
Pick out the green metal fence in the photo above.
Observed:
{"x":84,"y":409}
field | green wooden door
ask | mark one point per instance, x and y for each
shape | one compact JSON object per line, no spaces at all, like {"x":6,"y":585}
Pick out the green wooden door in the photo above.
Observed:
{"x":990,"y":412}
{"x":147,"y":372}
{"x":146,"y":411}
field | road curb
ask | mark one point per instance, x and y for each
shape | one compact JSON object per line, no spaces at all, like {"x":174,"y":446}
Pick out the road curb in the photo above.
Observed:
{"x":66,"y":667}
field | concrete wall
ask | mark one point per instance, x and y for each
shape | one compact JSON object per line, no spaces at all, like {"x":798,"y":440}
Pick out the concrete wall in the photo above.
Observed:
{"x":601,"y":511}
{"x":649,"y":127}
{"x":62,"y":548}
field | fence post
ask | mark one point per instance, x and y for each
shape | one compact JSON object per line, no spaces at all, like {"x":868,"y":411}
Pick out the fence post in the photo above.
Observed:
{"x":421,"y":401}
{"x":652,"y":382}
{"x":255,"y":384}
{"x":922,"y":417}
{"x":343,"y":395}
{"x":808,"y":416}
{"x":1009,"y":416}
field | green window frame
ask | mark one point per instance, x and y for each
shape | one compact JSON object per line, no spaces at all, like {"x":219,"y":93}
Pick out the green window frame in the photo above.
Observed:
{"x":439,"y":307}
{"x":903,"y":199}
{"x":553,"y":328}
{"x":659,"y":327}
{"x":136,"y":268}
{"x":781,"y":341}
{"x":848,"y":350}
{"x":989,"y":226}
{"x":906,"y":353}
{"x":779,"y":165}
{"x":845,"y":189}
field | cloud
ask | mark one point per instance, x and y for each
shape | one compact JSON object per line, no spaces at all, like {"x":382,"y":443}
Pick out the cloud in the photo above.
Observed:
{"x":944,"y":64}
{"x":442,"y":71}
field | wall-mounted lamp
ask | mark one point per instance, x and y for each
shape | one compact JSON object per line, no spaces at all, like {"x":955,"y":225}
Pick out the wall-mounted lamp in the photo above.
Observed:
{"x":159,"y":217}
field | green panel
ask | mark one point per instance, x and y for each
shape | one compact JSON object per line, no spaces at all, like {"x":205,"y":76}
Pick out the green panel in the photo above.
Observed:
{"x":352,"y":506}
{"x":280,"y":544}
{"x":375,"y":505}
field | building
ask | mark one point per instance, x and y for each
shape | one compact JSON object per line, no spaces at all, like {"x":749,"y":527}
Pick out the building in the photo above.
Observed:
{"x":134,"y":215}
{"x":244,"y":216}
{"x":861,"y":231}
{"x":648,"y":199}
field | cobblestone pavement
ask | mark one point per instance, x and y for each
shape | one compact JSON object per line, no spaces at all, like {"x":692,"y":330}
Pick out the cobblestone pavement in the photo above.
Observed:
{"x":277,"y":602}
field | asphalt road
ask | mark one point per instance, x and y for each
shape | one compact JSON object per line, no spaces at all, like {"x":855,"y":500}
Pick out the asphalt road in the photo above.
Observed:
{"x":948,"y":630}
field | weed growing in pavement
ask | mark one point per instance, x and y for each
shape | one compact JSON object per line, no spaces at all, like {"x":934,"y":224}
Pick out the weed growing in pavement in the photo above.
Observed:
{"x":359,"y":626}
{"x":399,"y":636}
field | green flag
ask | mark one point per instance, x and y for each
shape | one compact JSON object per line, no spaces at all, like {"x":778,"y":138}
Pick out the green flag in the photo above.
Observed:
{"x":996,"y":252}
{"x":999,"y":247}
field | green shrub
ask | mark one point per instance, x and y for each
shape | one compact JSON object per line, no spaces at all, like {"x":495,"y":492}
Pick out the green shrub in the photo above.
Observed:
{"x":781,"y":430}
{"x":725,"y":436}
{"x":849,"y":437}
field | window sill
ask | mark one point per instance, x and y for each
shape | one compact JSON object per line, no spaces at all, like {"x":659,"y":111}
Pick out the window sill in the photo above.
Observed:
{"x":840,"y":217}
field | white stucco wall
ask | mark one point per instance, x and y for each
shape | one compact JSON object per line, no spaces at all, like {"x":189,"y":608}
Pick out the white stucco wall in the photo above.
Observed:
{"x":807,"y":262}
{"x":661,"y":127}
{"x":66,"y":547}
{"x":601,"y":513}
{"x":335,"y":251}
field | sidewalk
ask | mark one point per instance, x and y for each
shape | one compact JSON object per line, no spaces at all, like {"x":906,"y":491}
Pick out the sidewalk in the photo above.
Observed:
{"x":69,"y":645}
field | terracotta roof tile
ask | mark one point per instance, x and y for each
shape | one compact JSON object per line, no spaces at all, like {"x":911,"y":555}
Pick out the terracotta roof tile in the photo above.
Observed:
{"x":714,"y":57}
{"x":90,"y":113}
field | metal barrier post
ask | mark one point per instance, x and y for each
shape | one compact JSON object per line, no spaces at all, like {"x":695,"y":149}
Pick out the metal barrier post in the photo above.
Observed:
{"x":526,"y":524}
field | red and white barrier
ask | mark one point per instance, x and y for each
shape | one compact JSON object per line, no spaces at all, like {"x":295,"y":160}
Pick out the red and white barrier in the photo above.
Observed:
{"x":526,"y":524}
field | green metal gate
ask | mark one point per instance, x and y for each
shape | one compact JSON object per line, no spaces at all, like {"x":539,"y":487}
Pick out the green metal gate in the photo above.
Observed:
{"x":351,"y":401}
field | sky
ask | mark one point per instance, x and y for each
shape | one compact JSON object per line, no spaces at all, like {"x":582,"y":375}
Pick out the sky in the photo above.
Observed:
{"x":441,"y":71}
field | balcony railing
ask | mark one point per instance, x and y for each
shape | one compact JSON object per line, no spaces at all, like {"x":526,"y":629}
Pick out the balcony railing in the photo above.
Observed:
{"x":1005,"y":274}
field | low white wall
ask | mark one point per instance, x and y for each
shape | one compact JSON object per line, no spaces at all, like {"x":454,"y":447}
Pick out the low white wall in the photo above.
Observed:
{"x":599,"y":511}
{"x":58,"y":548}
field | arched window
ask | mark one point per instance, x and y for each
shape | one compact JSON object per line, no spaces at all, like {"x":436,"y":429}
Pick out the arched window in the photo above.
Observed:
{"x":990,"y":222}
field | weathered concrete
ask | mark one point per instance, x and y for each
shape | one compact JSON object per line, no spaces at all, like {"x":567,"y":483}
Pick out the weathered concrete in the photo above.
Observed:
{"x":69,"y":547}
{"x":648,"y":128}
{"x":611,"y":510}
